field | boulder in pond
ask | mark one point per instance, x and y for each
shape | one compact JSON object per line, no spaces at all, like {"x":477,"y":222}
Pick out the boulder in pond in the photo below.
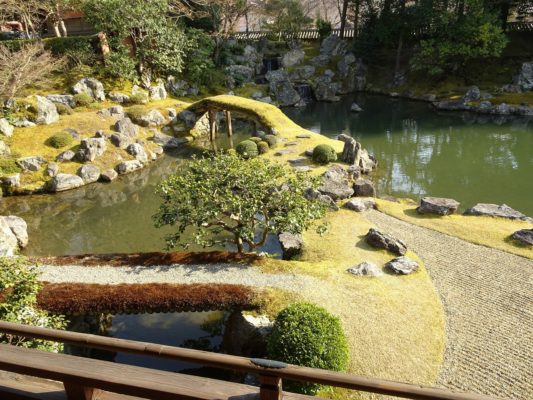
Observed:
{"x":402,"y":266}
{"x":366,"y":269}
{"x":62,"y":182}
{"x":291,"y":244}
{"x":361,"y":204}
{"x":495,"y":210}
{"x":355,"y":108}
{"x":109,"y":175}
{"x":438,"y":205}
{"x":125,"y":167}
{"x":364,"y":188}
{"x":524,"y":236}
{"x":385,"y":241}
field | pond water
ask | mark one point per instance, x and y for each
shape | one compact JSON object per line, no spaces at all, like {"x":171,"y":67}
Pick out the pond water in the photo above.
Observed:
{"x":197,"y":330}
{"x":472,"y":158}
{"x":421,"y":152}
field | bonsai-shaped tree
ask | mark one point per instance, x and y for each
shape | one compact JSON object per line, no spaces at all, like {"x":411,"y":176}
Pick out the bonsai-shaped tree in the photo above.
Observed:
{"x":227,"y":199}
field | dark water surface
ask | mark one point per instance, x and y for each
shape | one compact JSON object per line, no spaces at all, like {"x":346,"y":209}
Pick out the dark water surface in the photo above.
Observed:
{"x":421,"y":152}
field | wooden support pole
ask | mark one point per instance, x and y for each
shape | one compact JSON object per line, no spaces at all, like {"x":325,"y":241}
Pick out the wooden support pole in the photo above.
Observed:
{"x":76,"y":392}
{"x":228,"y":122}
{"x":270,"y":387}
{"x":211,"y":118}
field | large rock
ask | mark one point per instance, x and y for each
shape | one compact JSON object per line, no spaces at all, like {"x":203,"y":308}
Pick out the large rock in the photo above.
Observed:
{"x":45,"y":111}
{"x":124,"y":126}
{"x":66,"y":156}
{"x":292,"y":58}
{"x":151,"y":118}
{"x":62,"y":182}
{"x":351,"y":150}
{"x":89,"y":173}
{"x":366,"y":269}
{"x":367,"y":162}
{"x":109,"y":175}
{"x":125,"y":167}
{"x":438,"y":205}
{"x":65,"y":99}
{"x":30,"y":163}
{"x":138,"y":151}
{"x":333,"y":46}
{"x":291,"y":245}
{"x":6,"y":128}
{"x":382,"y":240}
{"x":402,"y":266}
{"x":472,"y":94}
{"x":524,"y":236}
{"x":90,"y":86}
{"x":326,"y":91}
{"x":158,"y":92}
{"x":525,"y":78}
{"x":4,"y":149}
{"x":302,"y":73}
{"x":361,"y":204}
{"x":335,"y":184}
{"x":118,"y":97}
{"x":91,"y":148}
{"x":188,"y":117}
{"x":240,"y":74}
{"x":11,"y":181}
{"x":166,"y":141}
{"x":13,"y":235}
{"x":364,"y":188}
{"x":281,"y":88}
{"x":495,"y":210}
{"x":121,"y":140}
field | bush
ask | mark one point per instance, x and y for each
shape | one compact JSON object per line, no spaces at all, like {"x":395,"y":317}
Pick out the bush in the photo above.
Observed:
{"x":59,"y":140}
{"x":64,"y":109}
{"x":247,"y":149}
{"x":324,"y":28}
{"x":139,"y":98}
{"x":83,"y":99}
{"x":256,"y":139}
{"x":307,"y":335}
{"x":271,"y":140}
{"x":263,"y":147}
{"x":324,"y":154}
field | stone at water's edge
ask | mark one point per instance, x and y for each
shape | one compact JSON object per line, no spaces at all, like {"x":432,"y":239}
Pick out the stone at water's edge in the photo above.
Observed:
{"x":364,"y":188}
{"x":524,"y":236}
{"x":495,"y":210}
{"x":382,"y":240}
{"x":62,"y":182}
{"x":126,"y":167}
{"x":89,"y":173}
{"x":402,"y":266}
{"x":366,"y":269}
{"x":109,"y":175}
{"x":291,"y":244}
{"x":438,"y":205}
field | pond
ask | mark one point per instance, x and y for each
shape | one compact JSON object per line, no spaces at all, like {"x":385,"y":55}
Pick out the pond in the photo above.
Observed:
{"x":196,"y":330}
{"x":421,"y":152}
{"x":472,"y":158}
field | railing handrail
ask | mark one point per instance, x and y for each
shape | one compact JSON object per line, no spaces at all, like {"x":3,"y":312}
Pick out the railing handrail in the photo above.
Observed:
{"x":241,"y":364}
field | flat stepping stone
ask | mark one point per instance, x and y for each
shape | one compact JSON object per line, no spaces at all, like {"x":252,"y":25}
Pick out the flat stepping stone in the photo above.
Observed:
{"x":296,"y":161}
{"x":524,"y":236}
{"x":284,"y":152}
{"x":304,"y":136}
{"x":365,"y":269}
{"x":294,"y":143}
{"x":438,"y":205}
{"x":305,"y":168}
{"x":495,"y":210}
{"x":402,"y":266}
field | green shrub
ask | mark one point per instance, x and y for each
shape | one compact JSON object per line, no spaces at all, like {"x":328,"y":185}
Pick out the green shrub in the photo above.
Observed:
{"x":139,"y":98}
{"x":119,"y":63}
{"x":64,"y":109}
{"x":271,"y":140}
{"x":83,"y":99}
{"x":324,"y":28}
{"x":9,"y":166}
{"x":307,"y":335}
{"x":59,"y":140}
{"x":137,"y":112}
{"x":247,"y":149}
{"x":324,"y":154}
{"x":256,"y":139}
{"x":263,"y":147}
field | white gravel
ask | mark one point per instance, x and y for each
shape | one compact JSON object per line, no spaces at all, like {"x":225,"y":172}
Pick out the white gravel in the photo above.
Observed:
{"x":176,"y":273}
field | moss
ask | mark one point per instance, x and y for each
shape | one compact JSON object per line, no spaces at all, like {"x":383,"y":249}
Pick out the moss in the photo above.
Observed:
{"x":263,"y":147}
{"x":324,"y":154}
{"x":139,"y":98}
{"x":9,"y":166}
{"x":247,"y":149}
{"x":486,"y":231}
{"x":60,"y":140}
{"x":64,"y":109}
{"x":83,"y":99}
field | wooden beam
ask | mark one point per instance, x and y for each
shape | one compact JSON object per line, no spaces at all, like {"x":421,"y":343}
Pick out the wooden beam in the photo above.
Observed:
{"x":270,"y":387}
{"x":228,"y":122}
{"x":77,"y":392}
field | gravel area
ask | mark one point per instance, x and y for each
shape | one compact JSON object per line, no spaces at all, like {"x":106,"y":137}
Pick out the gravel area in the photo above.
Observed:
{"x":176,"y":273}
{"x":488,"y":300}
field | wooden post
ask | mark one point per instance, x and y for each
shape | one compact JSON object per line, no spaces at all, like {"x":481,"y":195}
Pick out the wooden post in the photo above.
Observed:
{"x":228,"y":122}
{"x":211,"y":118}
{"x":76,"y":392}
{"x":270,"y":387}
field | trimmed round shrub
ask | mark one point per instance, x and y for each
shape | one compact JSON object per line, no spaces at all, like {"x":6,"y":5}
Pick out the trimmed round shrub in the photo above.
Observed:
{"x":256,"y":139}
{"x":63,"y":109}
{"x":263,"y":147}
{"x":308,"y":335}
{"x":83,"y":99}
{"x":60,"y":140}
{"x":247,"y":149}
{"x":271,"y":140}
{"x":139,"y":98}
{"x":324,"y":154}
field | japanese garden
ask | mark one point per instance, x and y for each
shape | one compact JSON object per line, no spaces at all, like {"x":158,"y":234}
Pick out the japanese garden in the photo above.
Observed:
{"x":281,"y":199}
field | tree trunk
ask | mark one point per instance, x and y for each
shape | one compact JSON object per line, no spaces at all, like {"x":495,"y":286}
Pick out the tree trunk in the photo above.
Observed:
{"x":63,"y":28}
{"x":56,"y":28}
{"x":343,"y":18}
{"x":398,"y":56}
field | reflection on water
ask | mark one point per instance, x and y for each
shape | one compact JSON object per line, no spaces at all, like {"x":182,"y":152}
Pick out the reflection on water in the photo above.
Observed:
{"x":472,"y":158}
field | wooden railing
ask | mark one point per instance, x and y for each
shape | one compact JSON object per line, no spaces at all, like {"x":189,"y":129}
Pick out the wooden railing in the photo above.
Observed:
{"x":83,"y":377}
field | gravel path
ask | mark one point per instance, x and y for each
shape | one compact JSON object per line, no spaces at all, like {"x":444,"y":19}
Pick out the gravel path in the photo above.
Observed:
{"x":177,"y":273}
{"x":488,"y":300}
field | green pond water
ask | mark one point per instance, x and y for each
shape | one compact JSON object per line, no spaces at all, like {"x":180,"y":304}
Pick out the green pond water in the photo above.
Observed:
{"x":421,"y":152}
